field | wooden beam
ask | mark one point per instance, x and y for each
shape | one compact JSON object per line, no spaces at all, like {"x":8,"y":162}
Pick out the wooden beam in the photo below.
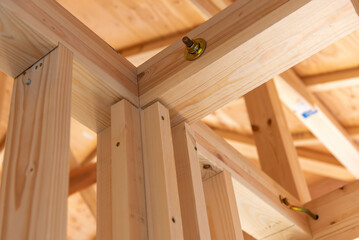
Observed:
{"x":104,"y":221}
{"x":318,"y":120}
{"x":338,"y":214}
{"x":128,"y":186}
{"x":277,"y":155}
{"x":332,"y":81}
{"x":34,"y":190}
{"x":206,"y":8}
{"x":87,"y":192}
{"x":310,"y":161}
{"x":233,"y":64}
{"x":101,"y":76}
{"x":162,"y":200}
{"x":193,"y":210}
{"x":82,"y":177}
{"x":262,"y":214}
{"x":222,"y":208}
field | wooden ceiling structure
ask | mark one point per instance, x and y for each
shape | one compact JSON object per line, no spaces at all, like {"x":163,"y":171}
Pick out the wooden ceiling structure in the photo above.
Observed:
{"x":273,"y":104}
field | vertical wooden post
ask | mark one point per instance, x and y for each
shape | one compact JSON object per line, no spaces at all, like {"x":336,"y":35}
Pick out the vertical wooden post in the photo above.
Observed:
{"x":277,"y":154}
{"x":33,"y":202}
{"x":190,"y":187}
{"x":222,"y":209}
{"x":128,"y":189}
{"x":104,"y":186}
{"x":163,"y":207}
{"x":120,"y":181}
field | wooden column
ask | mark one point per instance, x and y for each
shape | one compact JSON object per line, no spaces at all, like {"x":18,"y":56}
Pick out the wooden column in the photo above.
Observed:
{"x":222,"y":208}
{"x":104,"y":186}
{"x":190,"y":187}
{"x":277,"y":154}
{"x":128,"y":189}
{"x":121,"y":190}
{"x":33,"y":202}
{"x":162,"y":201}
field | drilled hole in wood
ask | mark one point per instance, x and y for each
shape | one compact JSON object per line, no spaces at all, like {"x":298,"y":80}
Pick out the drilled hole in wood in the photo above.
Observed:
{"x":163,"y":118}
{"x":117,"y":144}
{"x":173,"y":220}
{"x":207,"y":166}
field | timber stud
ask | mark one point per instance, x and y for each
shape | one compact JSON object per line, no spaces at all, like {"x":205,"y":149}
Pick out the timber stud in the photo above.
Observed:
{"x":194,"y":48}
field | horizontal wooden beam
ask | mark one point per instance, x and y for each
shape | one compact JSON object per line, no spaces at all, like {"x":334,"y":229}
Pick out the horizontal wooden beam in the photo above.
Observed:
{"x":332,"y":81}
{"x":239,"y":56}
{"x":338,"y":214}
{"x":101,"y":77}
{"x":262,"y":215}
{"x":310,"y":161}
{"x":318,"y":119}
{"x":82,"y":177}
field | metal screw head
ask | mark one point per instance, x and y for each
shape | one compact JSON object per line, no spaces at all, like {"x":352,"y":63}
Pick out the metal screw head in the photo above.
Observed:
{"x":194,"y":48}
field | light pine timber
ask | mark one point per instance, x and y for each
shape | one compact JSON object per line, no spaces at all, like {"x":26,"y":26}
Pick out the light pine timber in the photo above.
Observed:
{"x":277,"y":155}
{"x":128,"y":185}
{"x":190,"y":187}
{"x":233,"y":64}
{"x":332,"y":81}
{"x":101,"y":77}
{"x":104,"y":221}
{"x":82,"y":177}
{"x":318,"y":120}
{"x":162,"y":200}
{"x":262,"y":215}
{"x":338,"y":214}
{"x":310,"y":161}
{"x":222,"y":208}
{"x":34,"y":190}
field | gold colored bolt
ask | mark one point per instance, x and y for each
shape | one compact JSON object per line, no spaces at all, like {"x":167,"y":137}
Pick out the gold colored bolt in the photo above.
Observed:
{"x":194,"y":48}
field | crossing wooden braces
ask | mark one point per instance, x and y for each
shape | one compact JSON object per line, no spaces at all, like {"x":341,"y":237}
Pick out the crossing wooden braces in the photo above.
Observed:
{"x":158,"y":166}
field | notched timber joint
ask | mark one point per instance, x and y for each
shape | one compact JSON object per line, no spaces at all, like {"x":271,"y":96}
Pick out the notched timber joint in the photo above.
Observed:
{"x":299,"y":209}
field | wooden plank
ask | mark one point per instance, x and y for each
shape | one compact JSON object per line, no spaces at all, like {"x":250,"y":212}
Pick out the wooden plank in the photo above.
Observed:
{"x":193,"y":210}
{"x":233,"y":64}
{"x":128,"y":186}
{"x":101,"y":76}
{"x":318,"y":120}
{"x":206,"y":8}
{"x":246,"y":236}
{"x":338,"y":214}
{"x":222,"y":208}
{"x":277,"y":155}
{"x":162,"y":200}
{"x":262,"y":215}
{"x":82,"y":177}
{"x":34,"y":190}
{"x":332,"y":81}
{"x":310,"y":161}
{"x":104,"y":226}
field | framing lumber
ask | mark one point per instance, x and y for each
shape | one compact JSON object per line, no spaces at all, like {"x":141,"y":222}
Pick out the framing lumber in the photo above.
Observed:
{"x":310,"y":161}
{"x":277,"y":155}
{"x":104,"y":221}
{"x":332,"y":81}
{"x":162,"y":200}
{"x":33,"y":199}
{"x":128,"y":186}
{"x":101,"y":76}
{"x":262,"y":215}
{"x":222,"y":208}
{"x":228,"y":70}
{"x":193,"y":210}
{"x":82,"y":177}
{"x":87,"y":192}
{"x":338,"y":214}
{"x":318,"y":120}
